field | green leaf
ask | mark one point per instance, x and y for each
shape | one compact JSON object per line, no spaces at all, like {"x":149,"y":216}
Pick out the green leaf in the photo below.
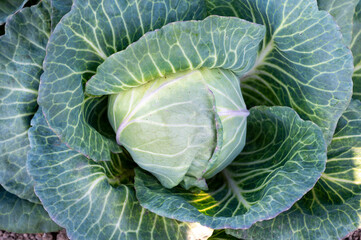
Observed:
{"x":331,"y":209}
{"x":342,"y":11}
{"x":215,"y":42}
{"x":58,"y":9}
{"x":221,"y":235}
{"x":91,"y":31}
{"x":77,"y":194}
{"x":351,"y":29}
{"x":356,"y":50}
{"x":21,"y":216}
{"x":303,"y":62}
{"x":283,"y":158}
{"x":95,"y":114}
{"x":21,"y":56}
{"x":9,"y":7}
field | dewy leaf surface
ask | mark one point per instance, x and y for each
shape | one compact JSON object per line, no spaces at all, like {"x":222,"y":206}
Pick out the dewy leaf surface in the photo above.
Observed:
{"x":21,"y":216}
{"x":92,"y":31}
{"x":77,"y":194}
{"x":9,"y":7}
{"x":342,"y":11}
{"x":21,"y":56}
{"x":356,"y":50}
{"x":283,"y":158}
{"x":215,"y":42}
{"x":303,"y":62}
{"x":331,"y":209}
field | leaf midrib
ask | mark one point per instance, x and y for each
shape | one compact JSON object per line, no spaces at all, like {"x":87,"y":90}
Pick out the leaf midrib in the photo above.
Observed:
{"x":235,"y":189}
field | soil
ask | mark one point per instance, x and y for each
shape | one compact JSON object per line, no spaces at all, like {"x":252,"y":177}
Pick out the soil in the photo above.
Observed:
{"x":38,"y":236}
{"x":62,"y":236}
{"x":356,"y":235}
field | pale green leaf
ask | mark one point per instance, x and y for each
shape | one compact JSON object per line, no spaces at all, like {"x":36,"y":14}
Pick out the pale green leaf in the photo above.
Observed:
{"x":283,"y":158}
{"x":232,"y":112}
{"x":215,"y":42}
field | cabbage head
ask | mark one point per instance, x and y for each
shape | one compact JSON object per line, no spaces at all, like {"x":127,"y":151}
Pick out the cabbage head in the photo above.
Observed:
{"x":184,"y":127}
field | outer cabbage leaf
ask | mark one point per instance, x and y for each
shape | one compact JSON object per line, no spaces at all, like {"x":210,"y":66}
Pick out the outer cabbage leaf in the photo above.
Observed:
{"x":331,"y":209}
{"x":342,"y":11}
{"x":303,"y":62}
{"x":77,"y":194}
{"x":283,"y":158}
{"x":80,"y":43}
{"x":58,"y":9}
{"x":347,"y":13}
{"x":215,"y":42}
{"x":21,"y":216}
{"x":8,"y":7}
{"x":21,"y":56}
{"x":356,"y":50}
